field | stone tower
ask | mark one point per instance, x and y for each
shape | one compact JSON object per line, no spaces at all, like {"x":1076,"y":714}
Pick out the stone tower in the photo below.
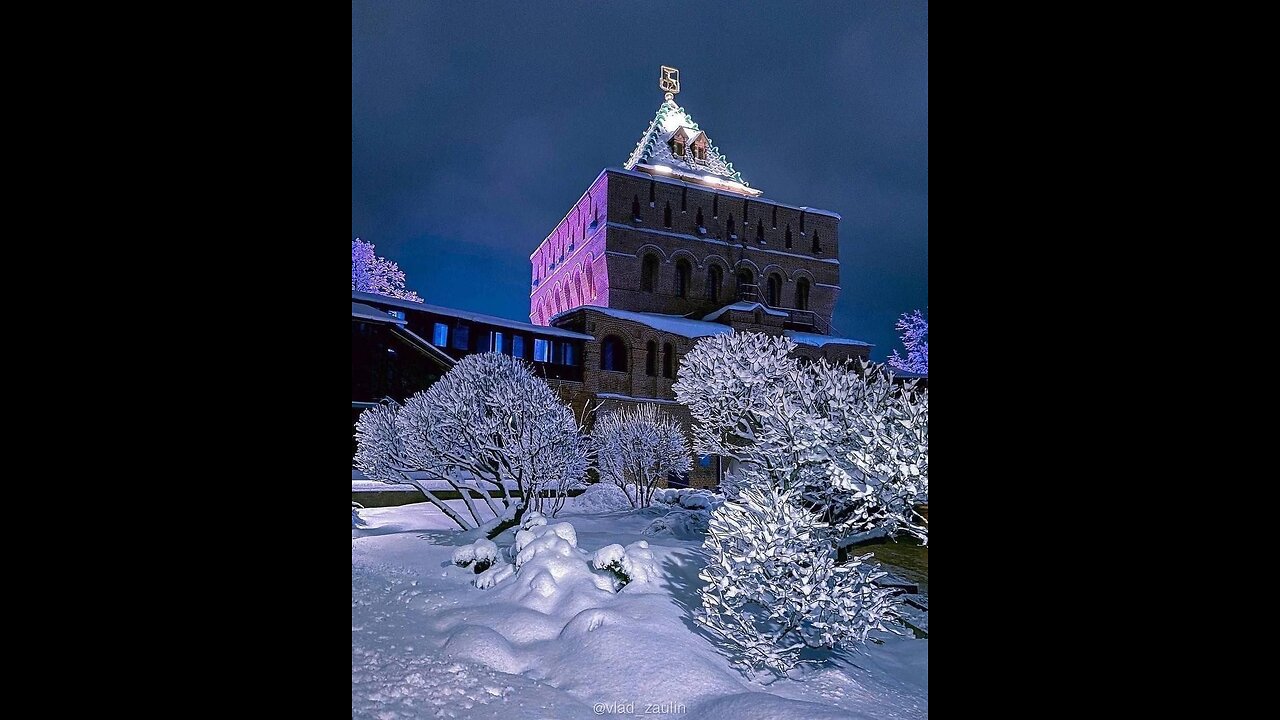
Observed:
{"x":677,"y":230}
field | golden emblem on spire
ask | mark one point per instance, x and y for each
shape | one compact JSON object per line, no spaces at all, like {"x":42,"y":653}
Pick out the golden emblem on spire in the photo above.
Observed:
{"x":670,"y":82}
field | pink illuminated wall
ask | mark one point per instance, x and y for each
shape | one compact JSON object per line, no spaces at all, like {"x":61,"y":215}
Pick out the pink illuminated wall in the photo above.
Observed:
{"x":569,"y":268}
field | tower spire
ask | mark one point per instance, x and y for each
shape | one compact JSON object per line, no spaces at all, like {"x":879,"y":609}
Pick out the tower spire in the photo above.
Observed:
{"x":670,"y":82}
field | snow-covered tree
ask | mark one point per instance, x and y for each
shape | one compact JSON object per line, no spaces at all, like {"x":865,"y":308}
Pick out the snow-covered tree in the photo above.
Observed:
{"x":774,"y":588}
{"x":637,"y":447}
{"x":821,"y":456}
{"x":914,"y":330}
{"x":373,"y":274}
{"x":854,"y":443}
{"x":488,"y":426}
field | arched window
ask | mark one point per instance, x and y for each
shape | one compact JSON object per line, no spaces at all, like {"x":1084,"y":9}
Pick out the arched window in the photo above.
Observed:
{"x":775,"y":217}
{"x":648,"y":272}
{"x":652,"y":186}
{"x":683,"y":272}
{"x":613,"y":354}
{"x":571,"y":287}
{"x":802,"y":294}
{"x":715,"y":276}
{"x":591,"y":278}
{"x":745,"y":281}
{"x":788,"y":236}
{"x":564,"y":295}
{"x":666,"y":215}
{"x":760,"y":231}
{"x":651,"y":359}
{"x":733,"y":232}
{"x":635,"y":208}
{"x":668,"y":360}
{"x":585,"y":288}
{"x":817,"y":243}
{"x":775,"y":290}
{"x":684,"y":199}
{"x":801,"y":222}
{"x":715,"y":206}
{"x":698,"y":220}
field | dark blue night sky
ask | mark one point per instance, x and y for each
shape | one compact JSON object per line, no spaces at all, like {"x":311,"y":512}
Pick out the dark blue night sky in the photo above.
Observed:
{"x":476,"y":125}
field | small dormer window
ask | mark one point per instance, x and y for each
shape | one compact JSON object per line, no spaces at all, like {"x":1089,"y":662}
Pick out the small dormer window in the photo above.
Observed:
{"x":699,"y":152}
{"x":677,"y":147}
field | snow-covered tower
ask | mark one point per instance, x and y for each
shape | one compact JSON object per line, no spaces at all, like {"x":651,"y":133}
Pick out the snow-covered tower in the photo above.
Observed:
{"x":674,"y":245}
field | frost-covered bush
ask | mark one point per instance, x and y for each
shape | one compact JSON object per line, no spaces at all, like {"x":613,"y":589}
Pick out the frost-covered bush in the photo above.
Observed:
{"x":773,"y":587}
{"x":853,"y":442}
{"x":482,"y":553}
{"x":634,"y":563}
{"x":602,"y":497}
{"x":356,"y":520}
{"x":820,"y":456}
{"x":488,"y":425}
{"x":679,"y":524}
{"x":637,"y":448}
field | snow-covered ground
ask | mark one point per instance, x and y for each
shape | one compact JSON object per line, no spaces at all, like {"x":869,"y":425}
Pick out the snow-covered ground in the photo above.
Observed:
{"x":426,"y":643}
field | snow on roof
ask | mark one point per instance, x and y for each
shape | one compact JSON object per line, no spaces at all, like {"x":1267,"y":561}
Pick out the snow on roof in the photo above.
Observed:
{"x":816,"y":340}
{"x":468,"y":315}
{"x":653,"y":149}
{"x":364,"y":312}
{"x":743,"y":306}
{"x":674,"y":324}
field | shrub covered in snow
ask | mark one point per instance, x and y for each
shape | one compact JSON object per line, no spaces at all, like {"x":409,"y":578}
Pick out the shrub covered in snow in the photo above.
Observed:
{"x":482,"y":553}
{"x":356,"y":520}
{"x":488,"y":424}
{"x":634,"y":563}
{"x":637,"y":448}
{"x":854,"y":443}
{"x":820,"y":456}
{"x":773,"y":587}
{"x":602,"y":497}
{"x":680,"y":524}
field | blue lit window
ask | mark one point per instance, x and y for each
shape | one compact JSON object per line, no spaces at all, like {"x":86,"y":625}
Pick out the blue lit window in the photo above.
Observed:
{"x":541,"y":350}
{"x":497,"y":342}
{"x":569,"y":354}
{"x":461,"y":336}
{"x":704,"y":461}
{"x":397,"y":314}
{"x":440,"y":336}
{"x":517,"y":345}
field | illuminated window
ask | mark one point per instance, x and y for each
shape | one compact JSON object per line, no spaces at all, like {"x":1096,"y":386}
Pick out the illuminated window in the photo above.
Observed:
{"x":517,"y":345}
{"x":396,"y":314}
{"x":440,"y":335}
{"x":541,"y":350}
{"x":496,"y":342}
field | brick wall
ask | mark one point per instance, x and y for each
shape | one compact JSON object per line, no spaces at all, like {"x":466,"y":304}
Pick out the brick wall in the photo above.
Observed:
{"x":628,"y":241}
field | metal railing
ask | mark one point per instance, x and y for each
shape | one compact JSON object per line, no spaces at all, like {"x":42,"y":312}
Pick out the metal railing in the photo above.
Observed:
{"x":795,"y":316}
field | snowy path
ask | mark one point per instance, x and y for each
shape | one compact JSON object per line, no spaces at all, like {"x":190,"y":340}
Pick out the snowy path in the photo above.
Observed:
{"x":425,"y":643}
